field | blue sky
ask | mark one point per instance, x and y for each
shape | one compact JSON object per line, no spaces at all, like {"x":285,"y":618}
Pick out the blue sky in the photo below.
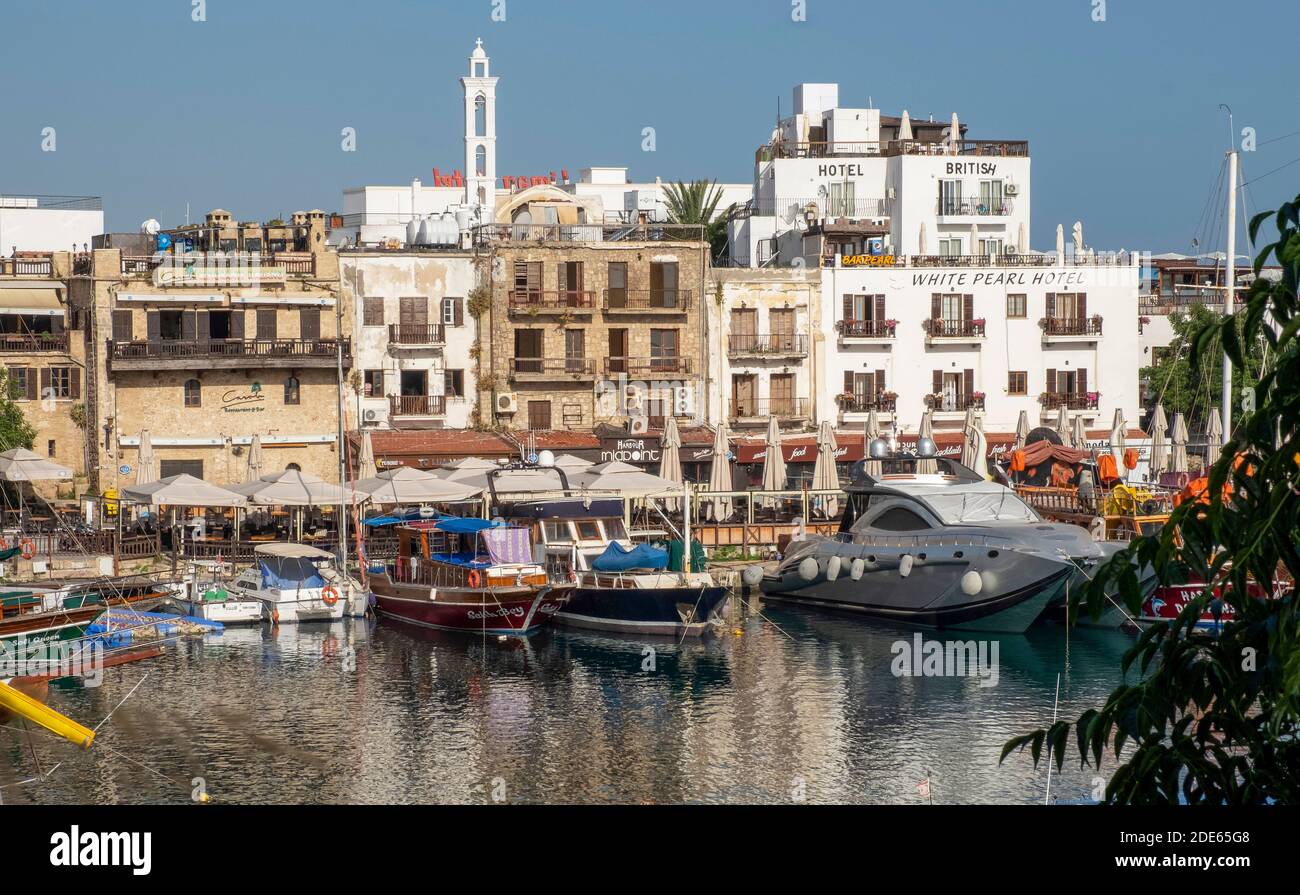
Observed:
{"x":244,"y":111}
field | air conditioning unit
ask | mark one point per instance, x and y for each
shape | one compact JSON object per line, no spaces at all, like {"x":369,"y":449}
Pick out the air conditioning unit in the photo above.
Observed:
{"x":1010,"y":189}
{"x":371,"y":416}
{"x":507,"y":402}
{"x":638,"y":425}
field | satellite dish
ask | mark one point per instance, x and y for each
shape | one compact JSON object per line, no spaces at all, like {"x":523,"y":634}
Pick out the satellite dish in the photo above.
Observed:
{"x":150,"y":227}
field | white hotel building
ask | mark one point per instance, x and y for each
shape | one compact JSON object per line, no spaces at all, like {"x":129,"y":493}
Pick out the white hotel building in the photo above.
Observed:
{"x":930,"y":295}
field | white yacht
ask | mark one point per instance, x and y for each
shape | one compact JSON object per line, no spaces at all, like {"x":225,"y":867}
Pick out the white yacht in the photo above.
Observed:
{"x":294,"y":583}
{"x":202,"y":594}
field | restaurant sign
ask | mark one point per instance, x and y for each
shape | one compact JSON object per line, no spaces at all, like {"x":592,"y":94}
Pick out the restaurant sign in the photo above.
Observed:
{"x":630,"y":450}
{"x":238,"y":400}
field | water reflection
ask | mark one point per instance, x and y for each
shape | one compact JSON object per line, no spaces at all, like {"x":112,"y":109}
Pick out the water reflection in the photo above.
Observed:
{"x":799,"y":705}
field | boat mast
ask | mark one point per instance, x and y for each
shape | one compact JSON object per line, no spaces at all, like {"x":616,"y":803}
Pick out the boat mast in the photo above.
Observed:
{"x":341,"y":407}
{"x":1229,"y":306}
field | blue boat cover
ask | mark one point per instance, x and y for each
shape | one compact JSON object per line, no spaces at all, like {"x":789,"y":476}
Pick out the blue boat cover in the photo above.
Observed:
{"x":458,"y":525}
{"x":290,"y":573}
{"x":642,"y":556}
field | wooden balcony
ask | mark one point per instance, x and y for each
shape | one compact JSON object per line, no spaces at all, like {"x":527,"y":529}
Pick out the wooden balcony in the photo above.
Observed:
{"x":778,"y":345}
{"x":939,"y":330}
{"x":864,"y":404}
{"x":958,"y":403}
{"x":417,"y":405}
{"x":866,"y":331}
{"x":228,"y":354}
{"x":558,"y":301}
{"x":27,"y":266}
{"x":1053,"y":401}
{"x":542,"y":368}
{"x":1071,"y":329}
{"x":33,"y":343}
{"x":653,"y":301}
{"x":755,"y":411}
{"x":418,"y":335}
{"x":648,"y":367}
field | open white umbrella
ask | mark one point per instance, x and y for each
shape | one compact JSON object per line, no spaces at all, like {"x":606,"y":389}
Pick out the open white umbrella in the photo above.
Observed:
{"x":718,"y":509}
{"x":1022,"y":430}
{"x":469,"y":467}
{"x":670,"y":459}
{"x":1159,"y":442}
{"x":1179,"y":436}
{"x":255,"y":460}
{"x":875,"y":468}
{"x":927,"y":466}
{"x":978,"y":443}
{"x":1063,"y":427}
{"x":404,"y":486}
{"x":624,"y":480}
{"x":291,"y":488}
{"x":1213,"y":436}
{"x":183,"y":491}
{"x":22,"y":465}
{"x":1117,"y":430}
{"x":571,"y":463}
{"x":146,"y":465}
{"x":826,"y":476}
{"x":774,"y":471}
{"x":366,"y":468}
{"x":905,"y":127}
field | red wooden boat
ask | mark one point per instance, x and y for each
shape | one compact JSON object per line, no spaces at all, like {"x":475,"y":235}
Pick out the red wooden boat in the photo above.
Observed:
{"x":1167,"y":603}
{"x":468,"y":575}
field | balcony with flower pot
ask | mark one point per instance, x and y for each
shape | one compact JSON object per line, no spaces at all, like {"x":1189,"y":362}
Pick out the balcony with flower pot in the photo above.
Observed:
{"x":1058,"y":330}
{"x":855,"y":408}
{"x":866,"y":332}
{"x":940,"y":331}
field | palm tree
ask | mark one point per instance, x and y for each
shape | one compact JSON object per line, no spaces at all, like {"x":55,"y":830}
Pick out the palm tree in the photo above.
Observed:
{"x":696,"y":203}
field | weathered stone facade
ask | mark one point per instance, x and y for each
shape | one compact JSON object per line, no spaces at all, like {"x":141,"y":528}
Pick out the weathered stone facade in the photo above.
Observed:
{"x":581,"y":333}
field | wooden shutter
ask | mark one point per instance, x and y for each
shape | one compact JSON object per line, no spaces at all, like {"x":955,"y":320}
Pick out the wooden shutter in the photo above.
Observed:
{"x":74,"y":383}
{"x":1081,"y":378}
{"x":266,"y":325}
{"x":202,"y":326}
{"x":237,"y":325}
{"x":848,"y":382}
{"x":848,"y":308}
{"x":880,"y":309}
{"x":936,"y":306}
{"x":968,"y":383}
{"x":938,"y":382}
{"x":122,"y":326}
{"x":45,"y":381}
{"x":880,"y":380}
{"x":31,"y":385}
{"x":458,"y":311}
{"x":1051,"y":310}
{"x":563,"y":277}
{"x":968,"y":308}
{"x":153,"y":323}
{"x":309,"y":324}
{"x":1083,"y":305}
{"x":189,"y":325}
{"x":869,"y":384}
{"x":1051,"y":381}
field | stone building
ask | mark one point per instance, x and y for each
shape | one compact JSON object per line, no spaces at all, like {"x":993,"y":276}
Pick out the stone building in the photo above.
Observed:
{"x":43,"y":352}
{"x":590,"y":323}
{"x":203,"y":349}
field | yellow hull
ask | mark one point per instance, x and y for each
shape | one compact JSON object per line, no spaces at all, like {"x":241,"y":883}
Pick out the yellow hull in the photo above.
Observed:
{"x":24,"y":706}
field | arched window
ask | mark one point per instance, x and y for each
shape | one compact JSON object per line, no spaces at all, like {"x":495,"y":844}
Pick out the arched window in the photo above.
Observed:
{"x":480,"y":116}
{"x":480,"y":161}
{"x":293,"y":467}
{"x":193,"y":393}
{"x":292,"y":390}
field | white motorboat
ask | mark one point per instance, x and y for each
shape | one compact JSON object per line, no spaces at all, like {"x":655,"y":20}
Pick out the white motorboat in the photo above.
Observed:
{"x":203,"y":595}
{"x":294,"y":583}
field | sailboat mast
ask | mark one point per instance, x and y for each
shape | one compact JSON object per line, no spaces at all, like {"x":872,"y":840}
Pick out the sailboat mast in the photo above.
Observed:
{"x":1229,"y":306}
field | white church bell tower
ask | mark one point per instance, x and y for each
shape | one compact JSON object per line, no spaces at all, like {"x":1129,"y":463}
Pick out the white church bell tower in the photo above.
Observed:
{"x":480,"y":134}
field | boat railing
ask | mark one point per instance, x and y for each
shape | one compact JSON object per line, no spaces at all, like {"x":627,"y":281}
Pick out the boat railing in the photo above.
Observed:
{"x":934,"y":538}
{"x":429,"y":574}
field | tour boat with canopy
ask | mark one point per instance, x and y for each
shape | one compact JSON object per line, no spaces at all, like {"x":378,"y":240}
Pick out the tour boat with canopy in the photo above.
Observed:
{"x":465,"y":574}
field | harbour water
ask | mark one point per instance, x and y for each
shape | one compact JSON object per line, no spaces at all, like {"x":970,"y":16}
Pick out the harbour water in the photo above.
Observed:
{"x":790,"y":706}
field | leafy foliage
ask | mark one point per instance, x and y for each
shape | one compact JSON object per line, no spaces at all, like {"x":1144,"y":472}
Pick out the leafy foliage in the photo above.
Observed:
{"x":696,"y":203}
{"x":1184,"y":386}
{"x":15,"y":431}
{"x":1217,"y":721}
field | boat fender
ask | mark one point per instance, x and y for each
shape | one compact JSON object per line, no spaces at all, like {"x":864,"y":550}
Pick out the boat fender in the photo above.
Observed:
{"x":856,"y":568}
{"x":833,"y":566}
{"x":808,"y":569}
{"x":972,"y":583}
{"x":905,"y":565}
{"x":1097,"y":528}
{"x":753,"y":575}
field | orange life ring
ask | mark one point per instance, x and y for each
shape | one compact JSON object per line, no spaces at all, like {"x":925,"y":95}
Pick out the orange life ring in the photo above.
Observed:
{"x":28,"y":548}
{"x":475,"y":579}
{"x":330,"y":596}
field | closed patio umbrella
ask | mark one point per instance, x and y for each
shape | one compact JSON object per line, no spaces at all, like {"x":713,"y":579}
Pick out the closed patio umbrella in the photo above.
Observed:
{"x":1022,"y":430}
{"x":366,"y":468}
{"x":1213,"y":436}
{"x":979,"y":447}
{"x":967,"y":443}
{"x":927,"y":466}
{"x":670,"y":459}
{"x":875,"y":468}
{"x":718,"y":509}
{"x":1159,"y":442}
{"x":920,"y":241}
{"x":255,"y":460}
{"x":1063,"y":427}
{"x":1078,"y":435}
{"x":774,"y":471}
{"x":1060,"y":241}
{"x":1117,"y":430}
{"x":146,"y":465}
{"x":826,"y":476}
{"x":1179,"y":436}
{"x":905,"y":127}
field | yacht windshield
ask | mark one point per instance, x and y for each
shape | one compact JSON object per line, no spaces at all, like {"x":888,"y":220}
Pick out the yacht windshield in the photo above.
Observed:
{"x":985,"y":506}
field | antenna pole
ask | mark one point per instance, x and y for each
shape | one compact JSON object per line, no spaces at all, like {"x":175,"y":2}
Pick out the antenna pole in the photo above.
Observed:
{"x":1229,"y":306}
